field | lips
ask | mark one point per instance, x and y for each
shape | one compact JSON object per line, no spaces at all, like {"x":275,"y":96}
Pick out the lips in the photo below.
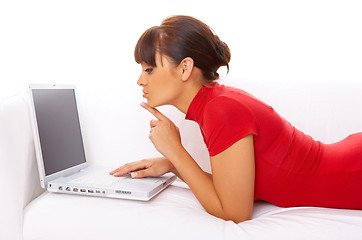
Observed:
{"x":145,"y":94}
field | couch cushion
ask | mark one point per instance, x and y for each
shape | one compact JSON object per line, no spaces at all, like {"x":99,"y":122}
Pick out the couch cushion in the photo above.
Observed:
{"x":176,"y":214}
{"x":19,"y":179}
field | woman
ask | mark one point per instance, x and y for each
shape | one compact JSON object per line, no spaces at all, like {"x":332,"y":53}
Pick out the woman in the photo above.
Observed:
{"x":254,"y":152}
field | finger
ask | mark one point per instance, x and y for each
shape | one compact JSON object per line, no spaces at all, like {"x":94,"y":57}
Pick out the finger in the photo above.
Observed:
{"x":130,"y":167}
{"x":154,"y":112}
{"x":141,"y":173}
{"x":124,"y":171}
{"x":114,"y":171}
{"x":153,"y":123}
{"x":118,"y":169}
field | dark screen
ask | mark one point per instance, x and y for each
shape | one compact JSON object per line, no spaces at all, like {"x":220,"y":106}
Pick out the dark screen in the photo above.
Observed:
{"x":59,"y":129}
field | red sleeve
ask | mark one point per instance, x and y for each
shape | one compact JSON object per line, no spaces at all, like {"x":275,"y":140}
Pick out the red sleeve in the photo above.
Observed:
{"x":225,"y":122}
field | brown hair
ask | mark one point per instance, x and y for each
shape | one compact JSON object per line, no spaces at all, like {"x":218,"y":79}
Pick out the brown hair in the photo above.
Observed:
{"x":179,"y":37}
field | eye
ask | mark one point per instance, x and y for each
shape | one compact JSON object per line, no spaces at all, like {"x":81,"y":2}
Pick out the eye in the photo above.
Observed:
{"x":148,"y":70}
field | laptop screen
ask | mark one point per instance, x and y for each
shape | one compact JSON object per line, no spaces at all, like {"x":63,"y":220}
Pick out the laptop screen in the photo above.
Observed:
{"x":59,"y":129}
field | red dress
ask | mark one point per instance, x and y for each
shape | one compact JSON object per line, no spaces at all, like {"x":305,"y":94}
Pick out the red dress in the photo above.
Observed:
{"x":291,"y":169}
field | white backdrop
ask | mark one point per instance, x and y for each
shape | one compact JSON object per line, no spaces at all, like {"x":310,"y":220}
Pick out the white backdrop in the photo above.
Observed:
{"x":90,"y":44}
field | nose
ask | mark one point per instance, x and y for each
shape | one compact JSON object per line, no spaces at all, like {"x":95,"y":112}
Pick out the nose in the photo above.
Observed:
{"x":141,"y":81}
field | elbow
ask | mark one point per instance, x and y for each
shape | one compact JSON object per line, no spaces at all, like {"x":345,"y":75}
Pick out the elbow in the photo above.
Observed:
{"x":230,"y":213}
{"x":239,"y":219}
{"x":236,"y":218}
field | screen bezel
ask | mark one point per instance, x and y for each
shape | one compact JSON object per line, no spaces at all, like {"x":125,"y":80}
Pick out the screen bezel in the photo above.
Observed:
{"x":44,"y":180}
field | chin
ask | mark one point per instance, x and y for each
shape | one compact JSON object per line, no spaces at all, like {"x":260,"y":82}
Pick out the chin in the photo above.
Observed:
{"x":154,"y":104}
{"x":150,"y":103}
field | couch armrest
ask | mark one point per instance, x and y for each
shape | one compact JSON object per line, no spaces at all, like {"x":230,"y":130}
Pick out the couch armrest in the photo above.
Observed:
{"x":19,"y":179}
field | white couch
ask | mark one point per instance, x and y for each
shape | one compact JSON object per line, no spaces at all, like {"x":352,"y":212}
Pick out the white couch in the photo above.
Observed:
{"x":327,"y":111}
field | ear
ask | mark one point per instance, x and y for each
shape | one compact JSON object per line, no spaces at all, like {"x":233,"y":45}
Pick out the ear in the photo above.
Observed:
{"x":186,"y":66}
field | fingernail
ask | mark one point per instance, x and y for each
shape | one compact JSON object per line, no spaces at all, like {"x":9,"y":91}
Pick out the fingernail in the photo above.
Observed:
{"x":134,"y":174}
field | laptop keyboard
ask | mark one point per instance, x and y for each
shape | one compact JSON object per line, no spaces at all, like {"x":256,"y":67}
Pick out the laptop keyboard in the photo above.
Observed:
{"x":97,"y":178}
{"x":104,"y":179}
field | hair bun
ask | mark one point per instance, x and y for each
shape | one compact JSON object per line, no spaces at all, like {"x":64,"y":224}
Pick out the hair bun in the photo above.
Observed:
{"x":223,"y":52}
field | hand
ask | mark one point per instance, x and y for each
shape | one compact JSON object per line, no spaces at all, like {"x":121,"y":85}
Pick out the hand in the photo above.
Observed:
{"x":164,"y":135}
{"x":148,"y":167}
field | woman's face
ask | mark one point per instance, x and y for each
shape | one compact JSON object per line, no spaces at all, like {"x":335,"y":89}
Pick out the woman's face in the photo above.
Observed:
{"x":161,"y":84}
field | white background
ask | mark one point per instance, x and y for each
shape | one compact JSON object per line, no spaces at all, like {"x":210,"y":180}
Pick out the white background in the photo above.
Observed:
{"x":91,"y":43}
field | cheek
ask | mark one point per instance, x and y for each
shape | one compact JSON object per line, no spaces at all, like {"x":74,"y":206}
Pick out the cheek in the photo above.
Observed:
{"x":161,"y":82}
{"x":164,"y":91}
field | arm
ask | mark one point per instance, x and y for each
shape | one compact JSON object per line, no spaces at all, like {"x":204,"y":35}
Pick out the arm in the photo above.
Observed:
{"x":229,"y":192}
{"x":174,"y":171}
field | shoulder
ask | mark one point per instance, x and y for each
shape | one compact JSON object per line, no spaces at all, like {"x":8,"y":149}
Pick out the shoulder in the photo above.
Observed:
{"x":225,"y":107}
{"x":225,"y":121}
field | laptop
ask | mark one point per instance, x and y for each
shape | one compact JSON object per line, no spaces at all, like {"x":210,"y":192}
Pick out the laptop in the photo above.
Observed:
{"x":61,"y":156}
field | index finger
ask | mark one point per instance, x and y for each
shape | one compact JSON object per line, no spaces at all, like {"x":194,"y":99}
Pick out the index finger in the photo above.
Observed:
{"x":129,"y":167}
{"x":154,"y":111}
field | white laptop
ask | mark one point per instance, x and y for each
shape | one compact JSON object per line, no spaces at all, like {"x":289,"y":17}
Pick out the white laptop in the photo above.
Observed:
{"x":60,"y":152}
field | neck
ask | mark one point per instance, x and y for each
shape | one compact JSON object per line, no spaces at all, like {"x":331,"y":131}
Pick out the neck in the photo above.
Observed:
{"x":187,"y":95}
